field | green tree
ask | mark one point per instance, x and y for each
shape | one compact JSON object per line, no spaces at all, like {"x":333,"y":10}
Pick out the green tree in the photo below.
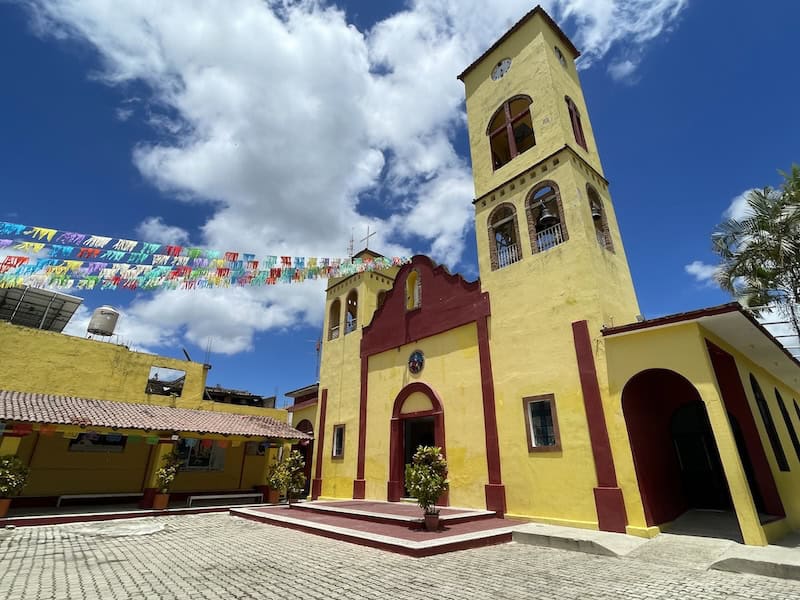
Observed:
{"x":760,"y":252}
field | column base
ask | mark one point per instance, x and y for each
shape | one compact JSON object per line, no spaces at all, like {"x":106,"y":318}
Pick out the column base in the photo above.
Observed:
{"x":359,"y":489}
{"x":496,"y":498}
{"x":316,"y":488}
{"x":148,"y":497}
{"x":611,"y":514}
{"x":395,"y":491}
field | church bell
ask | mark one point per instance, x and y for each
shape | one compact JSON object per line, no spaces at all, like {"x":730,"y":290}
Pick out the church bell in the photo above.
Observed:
{"x":546,"y":218}
{"x":597,"y":214}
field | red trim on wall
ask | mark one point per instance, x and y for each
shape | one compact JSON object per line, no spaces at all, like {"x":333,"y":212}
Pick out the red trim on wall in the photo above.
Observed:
{"x":735,"y":401}
{"x":360,"y":484}
{"x":316,"y":485}
{"x":448,"y":301}
{"x":611,"y":514}
{"x":396,"y":484}
{"x":494,"y":491}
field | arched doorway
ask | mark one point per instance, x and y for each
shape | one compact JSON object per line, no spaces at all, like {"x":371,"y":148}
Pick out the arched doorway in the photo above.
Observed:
{"x":306,"y":448}
{"x":674,"y":451}
{"x":417,"y":420}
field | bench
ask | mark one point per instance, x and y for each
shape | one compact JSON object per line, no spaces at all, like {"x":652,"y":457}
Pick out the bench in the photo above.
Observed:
{"x":93,"y":496}
{"x":258,"y":495}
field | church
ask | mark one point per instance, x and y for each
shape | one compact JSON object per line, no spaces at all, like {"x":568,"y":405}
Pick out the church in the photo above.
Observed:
{"x":551,"y":397}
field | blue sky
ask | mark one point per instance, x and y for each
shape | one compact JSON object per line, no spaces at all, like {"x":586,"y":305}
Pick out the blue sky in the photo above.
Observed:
{"x":277,"y":128}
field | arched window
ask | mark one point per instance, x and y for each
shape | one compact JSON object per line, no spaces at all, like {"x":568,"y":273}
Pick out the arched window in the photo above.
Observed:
{"x":577,"y":126}
{"x":511,"y":130}
{"x":504,"y":246}
{"x":333,"y":319}
{"x":546,"y":225}
{"x":560,"y":56}
{"x":599,"y":218}
{"x":351,"y":312}
{"x":413,"y":290}
{"x":769,"y":425}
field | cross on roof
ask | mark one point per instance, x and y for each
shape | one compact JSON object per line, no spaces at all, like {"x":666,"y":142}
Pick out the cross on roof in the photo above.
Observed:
{"x":366,"y":239}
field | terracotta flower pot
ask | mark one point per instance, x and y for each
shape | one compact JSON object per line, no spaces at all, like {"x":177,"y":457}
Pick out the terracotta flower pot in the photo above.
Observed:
{"x":160,"y":501}
{"x":432,"y":521}
{"x":4,"y":505}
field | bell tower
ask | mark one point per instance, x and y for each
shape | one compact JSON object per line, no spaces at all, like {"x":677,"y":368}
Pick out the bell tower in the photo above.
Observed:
{"x":546,"y":230}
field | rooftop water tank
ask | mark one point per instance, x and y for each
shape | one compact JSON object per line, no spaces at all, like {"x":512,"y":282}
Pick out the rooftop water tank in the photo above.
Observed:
{"x":103,"y":321}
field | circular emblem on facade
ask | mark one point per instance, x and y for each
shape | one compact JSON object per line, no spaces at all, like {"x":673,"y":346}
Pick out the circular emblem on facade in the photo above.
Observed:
{"x":416,"y":361}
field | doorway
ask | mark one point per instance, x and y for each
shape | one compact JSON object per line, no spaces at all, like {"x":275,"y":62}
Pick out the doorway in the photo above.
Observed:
{"x":702,"y":478}
{"x":416,"y":432}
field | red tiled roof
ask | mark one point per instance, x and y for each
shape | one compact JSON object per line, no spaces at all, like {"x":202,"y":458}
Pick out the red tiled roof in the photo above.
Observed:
{"x":68,"y":410}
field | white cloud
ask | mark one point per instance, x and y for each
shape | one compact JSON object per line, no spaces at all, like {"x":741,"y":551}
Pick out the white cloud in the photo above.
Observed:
{"x":153,"y":229}
{"x":622,"y":70}
{"x":282,"y":116}
{"x":702,"y":272}
{"x":738,"y":208}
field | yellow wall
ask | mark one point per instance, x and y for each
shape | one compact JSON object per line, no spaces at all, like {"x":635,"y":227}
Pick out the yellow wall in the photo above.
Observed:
{"x":55,"y":470}
{"x":340,"y":374}
{"x":73,"y":366}
{"x":536,"y":72}
{"x":682,"y":349}
{"x":452,"y":370}
{"x":788,"y":482}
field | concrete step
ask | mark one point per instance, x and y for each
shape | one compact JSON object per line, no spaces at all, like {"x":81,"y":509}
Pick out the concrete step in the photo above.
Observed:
{"x":414,"y":518}
{"x":397,"y":537}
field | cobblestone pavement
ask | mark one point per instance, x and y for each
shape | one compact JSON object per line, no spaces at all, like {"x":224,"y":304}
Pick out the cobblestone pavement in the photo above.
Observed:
{"x":217,"y":556}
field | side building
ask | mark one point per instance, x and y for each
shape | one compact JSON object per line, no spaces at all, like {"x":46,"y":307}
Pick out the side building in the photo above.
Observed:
{"x":95,"y":419}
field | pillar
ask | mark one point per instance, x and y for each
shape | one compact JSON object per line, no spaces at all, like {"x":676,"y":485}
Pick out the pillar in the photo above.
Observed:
{"x":156,"y":461}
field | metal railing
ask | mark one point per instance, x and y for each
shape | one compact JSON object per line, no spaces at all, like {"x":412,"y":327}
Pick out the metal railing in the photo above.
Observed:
{"x":334,"y":332}
{"x":507,"y":255}
{"x":549,"y":238}
{"x":350,"y":326}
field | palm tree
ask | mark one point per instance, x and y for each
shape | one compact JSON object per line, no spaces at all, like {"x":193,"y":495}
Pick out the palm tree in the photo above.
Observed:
{"x":761,"y":252}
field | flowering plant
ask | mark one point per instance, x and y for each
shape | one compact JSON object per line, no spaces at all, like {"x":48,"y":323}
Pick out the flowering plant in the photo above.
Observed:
{"x":426,"y":477}
{"x":167,"y":473}
{"x":13,"y":475}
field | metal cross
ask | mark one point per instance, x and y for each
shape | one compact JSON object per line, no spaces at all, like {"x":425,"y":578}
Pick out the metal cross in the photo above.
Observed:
{"x":366,"y":239}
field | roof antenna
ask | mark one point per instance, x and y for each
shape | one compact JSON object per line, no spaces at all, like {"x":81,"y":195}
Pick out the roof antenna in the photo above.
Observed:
{"x":186,"y":354}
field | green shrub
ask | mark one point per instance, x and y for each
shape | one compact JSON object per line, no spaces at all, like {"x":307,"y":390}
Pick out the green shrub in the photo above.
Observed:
{"x":426,"y":477}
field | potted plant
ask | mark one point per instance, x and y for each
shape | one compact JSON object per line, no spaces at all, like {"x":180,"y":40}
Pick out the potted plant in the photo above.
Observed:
{"x":275,"y":483}
{"x":426,"y":480}
{"x":295,"y":466}
{"x":164,"y":478}
{"x":288,"y":476}
{"x":13,"y":477}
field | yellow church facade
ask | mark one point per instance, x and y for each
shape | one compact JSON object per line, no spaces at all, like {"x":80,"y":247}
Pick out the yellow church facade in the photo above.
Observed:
{"x":552,"y":399}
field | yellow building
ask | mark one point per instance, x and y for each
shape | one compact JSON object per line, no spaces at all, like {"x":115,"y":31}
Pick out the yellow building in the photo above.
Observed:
{"x":93,"y":420}
{"x":547,"y":406}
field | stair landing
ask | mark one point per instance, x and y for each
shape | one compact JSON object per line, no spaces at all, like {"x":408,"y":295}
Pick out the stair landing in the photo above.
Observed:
{"x":392,"y":526}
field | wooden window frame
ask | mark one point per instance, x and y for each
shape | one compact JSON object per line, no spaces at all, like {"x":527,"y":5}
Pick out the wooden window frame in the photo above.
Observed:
{"x":338,"y":427}
{"x":769,"y":425}
{"x":551,"y":399}
{"x":508,"y":125}
{"x":577,"y":125}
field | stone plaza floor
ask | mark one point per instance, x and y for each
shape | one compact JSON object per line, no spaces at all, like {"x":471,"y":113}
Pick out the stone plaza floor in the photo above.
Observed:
{"x":218,"y":556}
